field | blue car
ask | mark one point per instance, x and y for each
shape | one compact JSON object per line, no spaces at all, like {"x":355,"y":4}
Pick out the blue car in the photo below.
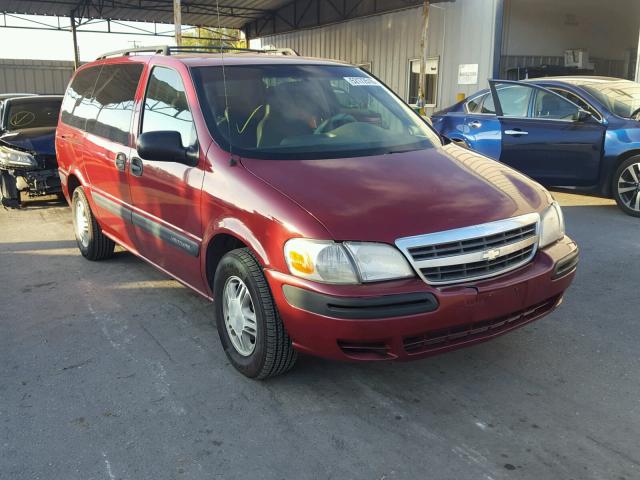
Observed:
{"x":578,"y":133}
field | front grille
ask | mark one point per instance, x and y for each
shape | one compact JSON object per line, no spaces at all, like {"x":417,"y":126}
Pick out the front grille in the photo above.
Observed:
{"x":472,"y":245}
{"x":473,"y":253}
{"x":439,"y":339}
{"x":463,"y":271}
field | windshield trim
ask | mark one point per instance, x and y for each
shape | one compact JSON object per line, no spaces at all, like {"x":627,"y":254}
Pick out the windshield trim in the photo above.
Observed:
{"x":431,"y":141}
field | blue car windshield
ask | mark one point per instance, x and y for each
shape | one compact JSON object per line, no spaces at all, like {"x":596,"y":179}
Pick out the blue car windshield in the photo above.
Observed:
{"x":621,"y":97}
{"x":306,"y":111}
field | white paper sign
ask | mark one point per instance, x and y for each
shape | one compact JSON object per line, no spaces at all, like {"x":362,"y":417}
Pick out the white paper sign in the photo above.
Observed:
{"x":362,"y":81}
{"x":468,"y":74}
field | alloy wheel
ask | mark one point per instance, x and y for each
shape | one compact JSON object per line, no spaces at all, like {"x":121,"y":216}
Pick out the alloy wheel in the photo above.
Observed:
{"x":82,"y":224}
{"x":629,"y":186}
{"x":239,"y":316}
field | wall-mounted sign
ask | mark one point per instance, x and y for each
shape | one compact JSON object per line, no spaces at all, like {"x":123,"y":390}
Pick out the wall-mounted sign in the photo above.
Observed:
{"x":468,"y":74}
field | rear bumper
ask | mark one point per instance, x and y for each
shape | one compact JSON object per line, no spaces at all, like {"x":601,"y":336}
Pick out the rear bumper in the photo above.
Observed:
{"x":409,"y":319}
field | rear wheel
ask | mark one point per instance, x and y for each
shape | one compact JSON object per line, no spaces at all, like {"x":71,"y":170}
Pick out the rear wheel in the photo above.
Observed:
{"x":626,"y":186}
{"x":92,"y":243}
{"x":251,"y":331}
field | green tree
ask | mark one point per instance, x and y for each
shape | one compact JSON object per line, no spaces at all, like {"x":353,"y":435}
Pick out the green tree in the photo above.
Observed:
{"x":213,"y":37}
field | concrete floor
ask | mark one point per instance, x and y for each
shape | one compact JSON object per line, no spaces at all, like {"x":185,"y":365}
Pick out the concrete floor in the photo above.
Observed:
{"x":112,"y":371}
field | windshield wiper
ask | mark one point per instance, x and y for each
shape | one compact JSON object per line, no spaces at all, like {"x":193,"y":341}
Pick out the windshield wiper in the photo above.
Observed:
{"x":402,"y":150}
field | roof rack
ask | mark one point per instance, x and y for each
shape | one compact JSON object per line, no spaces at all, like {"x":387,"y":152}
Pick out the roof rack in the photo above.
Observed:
{"x":171,"y":50}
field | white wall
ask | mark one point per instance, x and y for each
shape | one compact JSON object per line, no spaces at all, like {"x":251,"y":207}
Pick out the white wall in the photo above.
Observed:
{"x":606,"y":28}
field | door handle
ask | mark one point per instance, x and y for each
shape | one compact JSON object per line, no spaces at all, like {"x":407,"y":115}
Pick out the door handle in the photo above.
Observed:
{"x":475,"y":124}
{"x":121,"y":161}
{"x":515,"y":132}
{"x":135,"y":167}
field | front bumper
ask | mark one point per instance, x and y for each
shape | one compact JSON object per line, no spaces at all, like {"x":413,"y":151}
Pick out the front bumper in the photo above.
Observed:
{"x":409,"y":319}
{"x":36,"y":183}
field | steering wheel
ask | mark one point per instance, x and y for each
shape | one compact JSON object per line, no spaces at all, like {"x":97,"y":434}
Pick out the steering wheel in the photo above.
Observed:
{"x":334,"y":122}
{"x":635,"y":113}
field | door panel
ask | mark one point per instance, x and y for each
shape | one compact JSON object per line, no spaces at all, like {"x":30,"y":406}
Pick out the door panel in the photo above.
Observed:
{"x":544,"y":137}
{"x":482,"y":128}
{"x":109,"y":114}
{"x":166,"y":195}
{"x":554,"y":153}
{"x":483,"y":132}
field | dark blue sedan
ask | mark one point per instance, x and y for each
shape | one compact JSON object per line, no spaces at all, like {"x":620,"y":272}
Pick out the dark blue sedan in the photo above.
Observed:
{"x":580,"y":133}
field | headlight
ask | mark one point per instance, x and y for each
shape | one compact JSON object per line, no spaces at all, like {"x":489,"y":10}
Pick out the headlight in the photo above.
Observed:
{"x":345,"y":263}
{"x":15,"y":158}
{"x":551,"y":225}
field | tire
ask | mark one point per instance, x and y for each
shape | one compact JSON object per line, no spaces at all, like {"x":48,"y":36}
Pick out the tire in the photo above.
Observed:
{"x":626,"y":186}
{"x":269,"y":353}
{"x":92,"y":243}
{"x":9,"y":194}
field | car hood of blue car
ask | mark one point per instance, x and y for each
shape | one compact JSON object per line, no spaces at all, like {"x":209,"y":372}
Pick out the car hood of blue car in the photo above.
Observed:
{"x":40,"y":141}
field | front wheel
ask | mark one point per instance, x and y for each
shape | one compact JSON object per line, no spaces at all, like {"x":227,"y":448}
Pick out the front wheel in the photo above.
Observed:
{"x":92,"y":243}
{"x":251,"y":331}
{"x":626,"y":186}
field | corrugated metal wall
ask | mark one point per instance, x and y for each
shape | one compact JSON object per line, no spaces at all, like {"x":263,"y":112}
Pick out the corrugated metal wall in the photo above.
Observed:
{"x":386,"y":41}
{"x":459,"y":32}
{"x":34,"y":76}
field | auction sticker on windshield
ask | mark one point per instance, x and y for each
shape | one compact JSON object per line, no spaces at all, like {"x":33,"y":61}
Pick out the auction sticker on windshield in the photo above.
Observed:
{"x":362,"y":81}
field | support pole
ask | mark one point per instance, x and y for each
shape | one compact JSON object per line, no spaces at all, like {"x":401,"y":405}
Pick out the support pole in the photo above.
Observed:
{"x":177,"y":21}
{"x":422,"y":84}
{"x":76,"y":52}
{"x":637,"y":72}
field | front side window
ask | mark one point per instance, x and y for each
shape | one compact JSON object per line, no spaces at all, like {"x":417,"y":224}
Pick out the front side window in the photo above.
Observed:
{"x":306,"y":111}
{"x":30,"y":113}
{"x":552,"y":106}
{"x":166,"y":107}
{"x":111,"y":106}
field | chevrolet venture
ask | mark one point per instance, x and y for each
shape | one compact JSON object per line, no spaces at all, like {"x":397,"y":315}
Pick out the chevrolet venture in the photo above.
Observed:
{"x":317,"y":211}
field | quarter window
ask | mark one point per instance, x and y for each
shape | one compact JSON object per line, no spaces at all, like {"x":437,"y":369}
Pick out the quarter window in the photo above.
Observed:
{"x":166,"y":107}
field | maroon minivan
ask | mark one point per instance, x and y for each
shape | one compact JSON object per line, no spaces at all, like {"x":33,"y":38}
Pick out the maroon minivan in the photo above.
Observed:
{"x":318,"y":212}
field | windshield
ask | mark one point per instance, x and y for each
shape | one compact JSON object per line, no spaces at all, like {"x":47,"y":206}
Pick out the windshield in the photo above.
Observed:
{"x":621,"y":97}
{"x":306,"y":111}
{"x":28,"y":113}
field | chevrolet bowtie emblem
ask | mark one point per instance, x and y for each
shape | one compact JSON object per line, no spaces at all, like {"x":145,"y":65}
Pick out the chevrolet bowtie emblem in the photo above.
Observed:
{"x":491,"y":254}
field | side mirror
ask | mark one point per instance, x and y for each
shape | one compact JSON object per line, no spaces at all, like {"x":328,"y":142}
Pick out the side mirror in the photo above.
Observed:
{"x":583,"y":115}
{"x":165,"y":146}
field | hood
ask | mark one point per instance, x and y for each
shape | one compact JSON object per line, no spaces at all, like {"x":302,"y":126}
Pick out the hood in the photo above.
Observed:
{"x":40,"y":141}
{"x":383,"y":198}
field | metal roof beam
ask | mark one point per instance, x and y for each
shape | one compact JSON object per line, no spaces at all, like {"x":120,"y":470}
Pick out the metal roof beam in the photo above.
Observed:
{"x":301,"y":14}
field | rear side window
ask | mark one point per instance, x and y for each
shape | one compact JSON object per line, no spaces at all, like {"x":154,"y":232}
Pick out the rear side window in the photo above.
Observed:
{"x":111,"y":105}
{"x":77,"y":100}
{"x":166,"y":107}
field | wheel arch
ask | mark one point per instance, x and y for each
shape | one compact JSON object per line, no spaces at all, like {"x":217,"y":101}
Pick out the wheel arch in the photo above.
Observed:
{"x":608,"y":183}
{"x":229,"y":234}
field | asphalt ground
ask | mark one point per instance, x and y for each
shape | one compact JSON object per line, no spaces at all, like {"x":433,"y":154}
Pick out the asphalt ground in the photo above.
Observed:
{"x":111,"y":370}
